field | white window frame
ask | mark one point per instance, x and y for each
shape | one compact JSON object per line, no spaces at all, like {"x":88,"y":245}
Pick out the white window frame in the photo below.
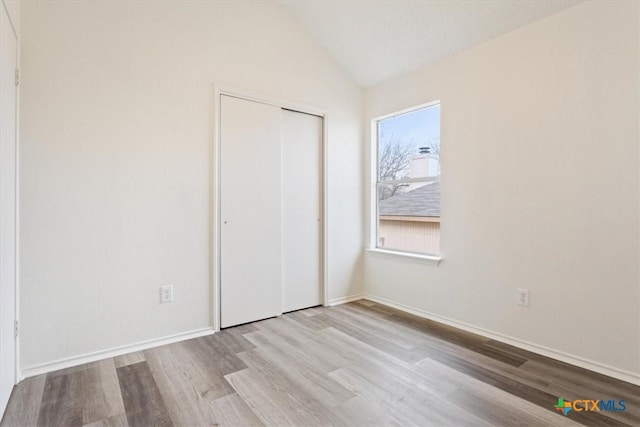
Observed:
{"x":433,"y":259}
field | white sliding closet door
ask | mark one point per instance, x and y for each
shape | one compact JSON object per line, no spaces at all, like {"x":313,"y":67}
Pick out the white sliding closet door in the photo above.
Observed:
{"x":250,"y":211}
{"x":301,"y":209}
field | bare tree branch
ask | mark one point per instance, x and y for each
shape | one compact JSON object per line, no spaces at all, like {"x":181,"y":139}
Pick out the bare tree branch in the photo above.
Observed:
{"x":434,"y":146}
{"x":393,"y":164}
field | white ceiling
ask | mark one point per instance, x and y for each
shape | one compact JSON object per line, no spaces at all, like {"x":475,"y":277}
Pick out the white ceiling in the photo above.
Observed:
{"x":377,"y":40}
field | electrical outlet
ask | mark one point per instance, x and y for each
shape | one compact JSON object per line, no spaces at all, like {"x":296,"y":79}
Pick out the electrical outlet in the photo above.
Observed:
{"x":523,"y":297}
{"x":166,"y":294}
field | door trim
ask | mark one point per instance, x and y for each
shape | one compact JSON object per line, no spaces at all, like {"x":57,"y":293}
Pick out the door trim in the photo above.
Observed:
{"x":17,"y":373}
{"x":214,"y":202}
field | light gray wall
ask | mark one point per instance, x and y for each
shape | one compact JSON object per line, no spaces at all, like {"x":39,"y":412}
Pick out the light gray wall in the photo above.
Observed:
{"x":539,"y":186}
{"x":117,"y":129}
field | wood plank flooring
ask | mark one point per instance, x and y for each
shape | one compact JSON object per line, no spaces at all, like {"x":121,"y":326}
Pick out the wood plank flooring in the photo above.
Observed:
{"x":358,"y":364}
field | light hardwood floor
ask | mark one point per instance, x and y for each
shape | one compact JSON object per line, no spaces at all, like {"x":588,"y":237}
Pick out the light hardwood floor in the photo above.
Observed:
{"x":359,"y":364}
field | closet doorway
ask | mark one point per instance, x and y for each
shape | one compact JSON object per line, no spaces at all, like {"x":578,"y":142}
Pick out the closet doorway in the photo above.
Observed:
{"x":270,"y":209}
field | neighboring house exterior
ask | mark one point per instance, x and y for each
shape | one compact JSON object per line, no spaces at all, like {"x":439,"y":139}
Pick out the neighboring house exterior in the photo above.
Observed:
{"x":411,"y":221}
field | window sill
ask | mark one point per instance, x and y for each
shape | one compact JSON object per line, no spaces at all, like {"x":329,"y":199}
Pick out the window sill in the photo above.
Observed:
{"x":405,"y":256}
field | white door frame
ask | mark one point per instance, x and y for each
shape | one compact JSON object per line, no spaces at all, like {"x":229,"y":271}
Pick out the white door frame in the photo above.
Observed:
{"x":214,"y":207}
{"x":17,"y":373}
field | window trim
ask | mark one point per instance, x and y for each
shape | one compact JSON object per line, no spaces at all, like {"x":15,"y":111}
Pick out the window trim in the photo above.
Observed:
{"x":405,"y":256}
{"x":433,"y":259}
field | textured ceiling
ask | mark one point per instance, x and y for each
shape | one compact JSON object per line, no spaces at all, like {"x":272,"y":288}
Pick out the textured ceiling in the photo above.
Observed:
{"x":377,"y":40}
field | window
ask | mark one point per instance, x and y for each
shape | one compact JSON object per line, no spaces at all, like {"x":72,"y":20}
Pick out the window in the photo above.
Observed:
{"x":408,"y":181}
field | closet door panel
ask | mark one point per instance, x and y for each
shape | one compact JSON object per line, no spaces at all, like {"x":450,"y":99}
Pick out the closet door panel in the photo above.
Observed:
{"x":250,"y":211}
{"x":301,"y":209}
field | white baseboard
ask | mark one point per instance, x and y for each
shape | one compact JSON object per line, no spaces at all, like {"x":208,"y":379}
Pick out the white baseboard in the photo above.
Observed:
{"x":344,"y":300}
{"x":69,"y":362}
{"x":630,"y":377}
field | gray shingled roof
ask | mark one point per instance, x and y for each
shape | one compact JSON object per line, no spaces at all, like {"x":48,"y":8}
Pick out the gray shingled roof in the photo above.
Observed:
{"x":423,"y":201}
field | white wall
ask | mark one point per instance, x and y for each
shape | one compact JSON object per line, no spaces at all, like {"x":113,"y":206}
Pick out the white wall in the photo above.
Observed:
{"x":540,"y":168}
{"x":116,"y":137}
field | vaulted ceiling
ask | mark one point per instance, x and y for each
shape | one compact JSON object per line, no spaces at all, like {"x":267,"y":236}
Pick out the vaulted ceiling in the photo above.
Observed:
{"x":377,"y":40}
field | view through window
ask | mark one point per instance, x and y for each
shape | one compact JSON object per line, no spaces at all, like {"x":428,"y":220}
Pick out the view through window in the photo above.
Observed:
{"x":408,"y":183}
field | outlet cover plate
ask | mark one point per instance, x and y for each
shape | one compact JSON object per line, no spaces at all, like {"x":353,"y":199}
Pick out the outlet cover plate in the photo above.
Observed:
{"x":523,"y":297}
{"x":166,"y":294}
